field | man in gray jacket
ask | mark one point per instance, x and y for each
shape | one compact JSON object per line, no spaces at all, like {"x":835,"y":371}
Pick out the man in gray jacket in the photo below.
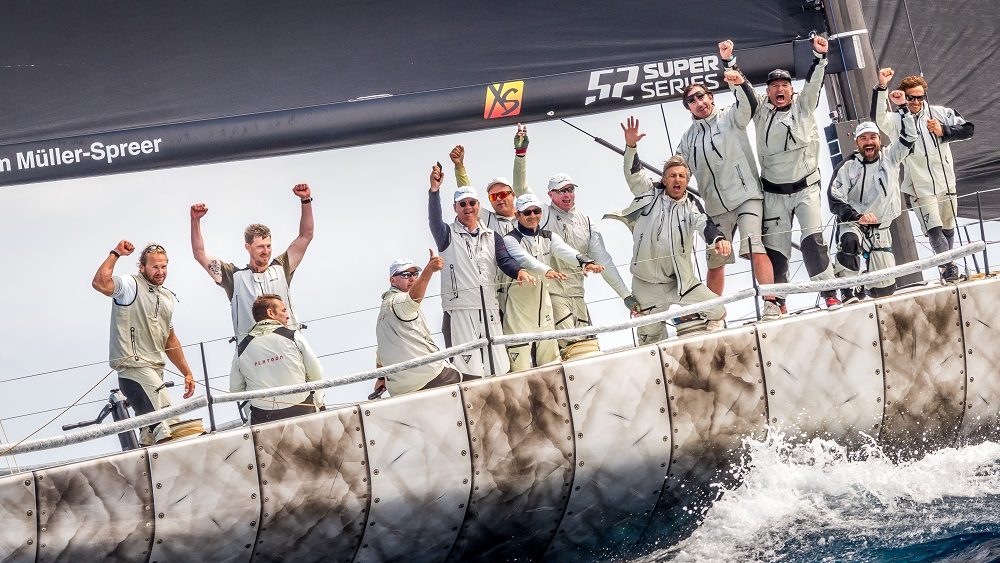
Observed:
{"x":929,"y":174}
{"x":718,"y":150}
{"x":273,"y":355}
{"x":663,"y":218}
{"x":864,"y":195}
{"x":788,"y":149}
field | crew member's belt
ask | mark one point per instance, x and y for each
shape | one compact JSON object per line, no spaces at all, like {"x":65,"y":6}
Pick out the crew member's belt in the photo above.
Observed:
{"x":789,"y":188}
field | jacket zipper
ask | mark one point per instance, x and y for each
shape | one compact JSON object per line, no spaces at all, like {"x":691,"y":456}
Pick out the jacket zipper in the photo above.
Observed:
{"x":132,"y":335}
{"x":767,"y":135}
{"x":638,"y":248}
{"x":715,"y":182}
{"x":454,"y":282}
{"x":864,"y":178}
{"x":156,"y":310}
{"x":739,"y":173}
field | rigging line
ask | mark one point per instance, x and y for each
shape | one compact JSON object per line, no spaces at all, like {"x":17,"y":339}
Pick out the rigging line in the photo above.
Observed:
{"x":9,"y":458}
{"x":670,"y":143}
{"x":27,"y":414}
{"x":56,"y":417}
{"x":913,"y":38}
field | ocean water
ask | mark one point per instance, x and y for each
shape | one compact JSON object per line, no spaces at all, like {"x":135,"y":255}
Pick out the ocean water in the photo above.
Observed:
{"x":818,"y":502}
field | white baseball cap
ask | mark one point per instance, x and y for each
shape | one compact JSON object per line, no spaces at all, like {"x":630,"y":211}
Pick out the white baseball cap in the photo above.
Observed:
{"x":560,"y":181}
{"x":865,"y":127}
{"x":401,"y":265}
{"x":525,"y":201}
{"x":495,"y":181}
{"x":465,"y":192}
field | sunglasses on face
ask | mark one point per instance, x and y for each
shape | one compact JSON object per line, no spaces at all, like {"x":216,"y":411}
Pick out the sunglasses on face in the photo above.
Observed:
{"x":696,"y":96}
{"x":910,"y":98}
{"x":566,"y":190}
{"x":407,"y":275}
{"x":468,"y":203}
{"x":532,"y":211}
{"x":503,"y":194}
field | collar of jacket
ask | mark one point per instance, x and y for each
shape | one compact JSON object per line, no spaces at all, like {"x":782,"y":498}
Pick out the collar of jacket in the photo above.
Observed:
{"x":266,"y":326}
{"x":520,"y":228}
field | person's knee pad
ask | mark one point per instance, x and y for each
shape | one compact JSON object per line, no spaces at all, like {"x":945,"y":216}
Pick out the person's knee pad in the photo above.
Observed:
{"x":849,"y":255}
{"x":815,"y":254}
{"x":779,"y":263}
{"x":882,"y":291}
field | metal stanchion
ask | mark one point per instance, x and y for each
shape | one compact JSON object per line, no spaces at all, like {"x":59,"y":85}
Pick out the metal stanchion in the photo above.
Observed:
{"x":982,"y":234}
{"x":753,"y":278}
{"x":208,"y":390}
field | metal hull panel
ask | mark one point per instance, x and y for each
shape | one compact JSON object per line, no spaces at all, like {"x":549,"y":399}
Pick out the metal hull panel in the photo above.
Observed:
{"x":314,"y":487}
{"x":418,"y":455}
{"x":18,"y":534}
{"x":923,"y":352}
{"x":622,"y":431}
{"x":99,"y":510}
{"x":980,"y":308}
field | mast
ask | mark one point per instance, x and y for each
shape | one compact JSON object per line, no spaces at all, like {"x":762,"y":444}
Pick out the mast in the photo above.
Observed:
{"x":849,"y":93}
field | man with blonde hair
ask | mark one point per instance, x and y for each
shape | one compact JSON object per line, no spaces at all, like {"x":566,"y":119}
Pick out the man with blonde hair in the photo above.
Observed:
{"x":262,"y":275}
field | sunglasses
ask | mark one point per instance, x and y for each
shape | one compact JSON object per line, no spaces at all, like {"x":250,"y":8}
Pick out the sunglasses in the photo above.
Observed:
{"x":154,"y":248}
{"x":503,"y":194}
{"x":532,"y":211}
{"x":910,"y":98}
{"x":697,"y":96}
{"x":566,"y":190}
{"x":407,"y":275}
{"x":468,"y":203}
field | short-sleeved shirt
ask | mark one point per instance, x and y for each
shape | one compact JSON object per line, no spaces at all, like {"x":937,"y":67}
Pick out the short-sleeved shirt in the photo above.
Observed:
{"x":402,"y":334}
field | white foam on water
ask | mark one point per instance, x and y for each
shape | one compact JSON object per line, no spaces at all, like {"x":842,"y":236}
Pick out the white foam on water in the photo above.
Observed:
{"x":817,"y":495}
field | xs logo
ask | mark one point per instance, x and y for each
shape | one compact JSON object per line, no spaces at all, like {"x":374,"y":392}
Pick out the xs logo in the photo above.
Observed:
{"x":614,"y":90}
{"x":503,"y":99}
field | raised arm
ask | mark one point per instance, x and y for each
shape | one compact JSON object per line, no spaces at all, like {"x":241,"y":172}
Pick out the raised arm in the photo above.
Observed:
{"x":746,"y":105}
{"x":210,"y":263}
{"x":903,"y":146}
{"x":439,"y":229}
{"x":176,"y":354}
{"x":457,"y":156}
{"x":809,"y":97}
{"x":637,"y":180}
{"x":887,"y":121}
{"x":297,"y":249}
{"x":419,"y":288}
{"x":104,"y":279}
{"x":520,"y":186}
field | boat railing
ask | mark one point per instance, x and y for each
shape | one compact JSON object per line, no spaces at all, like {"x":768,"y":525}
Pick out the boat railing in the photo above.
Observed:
{"x":130,"y":424}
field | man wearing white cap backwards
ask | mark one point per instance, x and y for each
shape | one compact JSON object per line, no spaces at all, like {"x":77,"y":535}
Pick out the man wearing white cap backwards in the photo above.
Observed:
{"x":663,"y":218}
{"x":471,"y":263}
{"x":864,"y":195}
{"x":560,"y":216}
{"x":529,"y":307}
{"x":402,"y":333}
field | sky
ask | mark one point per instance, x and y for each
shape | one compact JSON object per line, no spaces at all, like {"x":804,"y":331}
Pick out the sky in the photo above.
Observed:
{"x":370,"y":208}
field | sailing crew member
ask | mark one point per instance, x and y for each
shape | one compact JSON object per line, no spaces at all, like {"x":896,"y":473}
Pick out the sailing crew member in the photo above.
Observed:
{"x":864,"y":195}
{"x":663,"y":218}
{"x":262,"y":275}
{"x":500,"y":220}
{"x":560,"y":216}
{"x":402,"y":333}
{"x":788,"y":148}
{"x":472,"y":255}
{"x":529,"y":306}
{"x":718,"y":150}
{"x":274,"y":355}
{"x":929,"y":173}
{"x":142,"y":333}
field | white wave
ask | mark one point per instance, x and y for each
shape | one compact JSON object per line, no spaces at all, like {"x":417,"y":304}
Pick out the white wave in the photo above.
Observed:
{"x":817,"y":495}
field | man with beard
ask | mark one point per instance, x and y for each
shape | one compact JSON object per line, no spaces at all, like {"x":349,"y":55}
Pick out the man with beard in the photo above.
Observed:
{"x":261,"y":275}
{"x":864,"y":195}
{"x":142,"y":333}
{"x":928,"y":175}
{"x":788,"y":148}
{"x":500,"y":220}
{"x":663,"y":218}
{"x":718,"y":150}
{"x":529,"y":307}
{"x":560,"y":216}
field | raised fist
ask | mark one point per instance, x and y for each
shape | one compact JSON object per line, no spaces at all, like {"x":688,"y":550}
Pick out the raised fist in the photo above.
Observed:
{"x":124,"y":247}
{"x":198,"y":211}
{"x":457,"y":155}
{"x":726,"y":50}
{"x":734,"y":77}
{"x":884,"y":76}
{"x":521,"y":140}
{"x":897,"y":97}
{"x":302,"y":191}
{"x":820,"y":44}
{"x":437,"y":176}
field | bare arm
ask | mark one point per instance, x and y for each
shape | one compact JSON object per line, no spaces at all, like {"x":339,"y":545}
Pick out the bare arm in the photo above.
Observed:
{"x":297,"y":249}
{"x":176,"y":355}
{"x":211,"y":264}
{"x":104,"y":281}
{"x":419,"y":288}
